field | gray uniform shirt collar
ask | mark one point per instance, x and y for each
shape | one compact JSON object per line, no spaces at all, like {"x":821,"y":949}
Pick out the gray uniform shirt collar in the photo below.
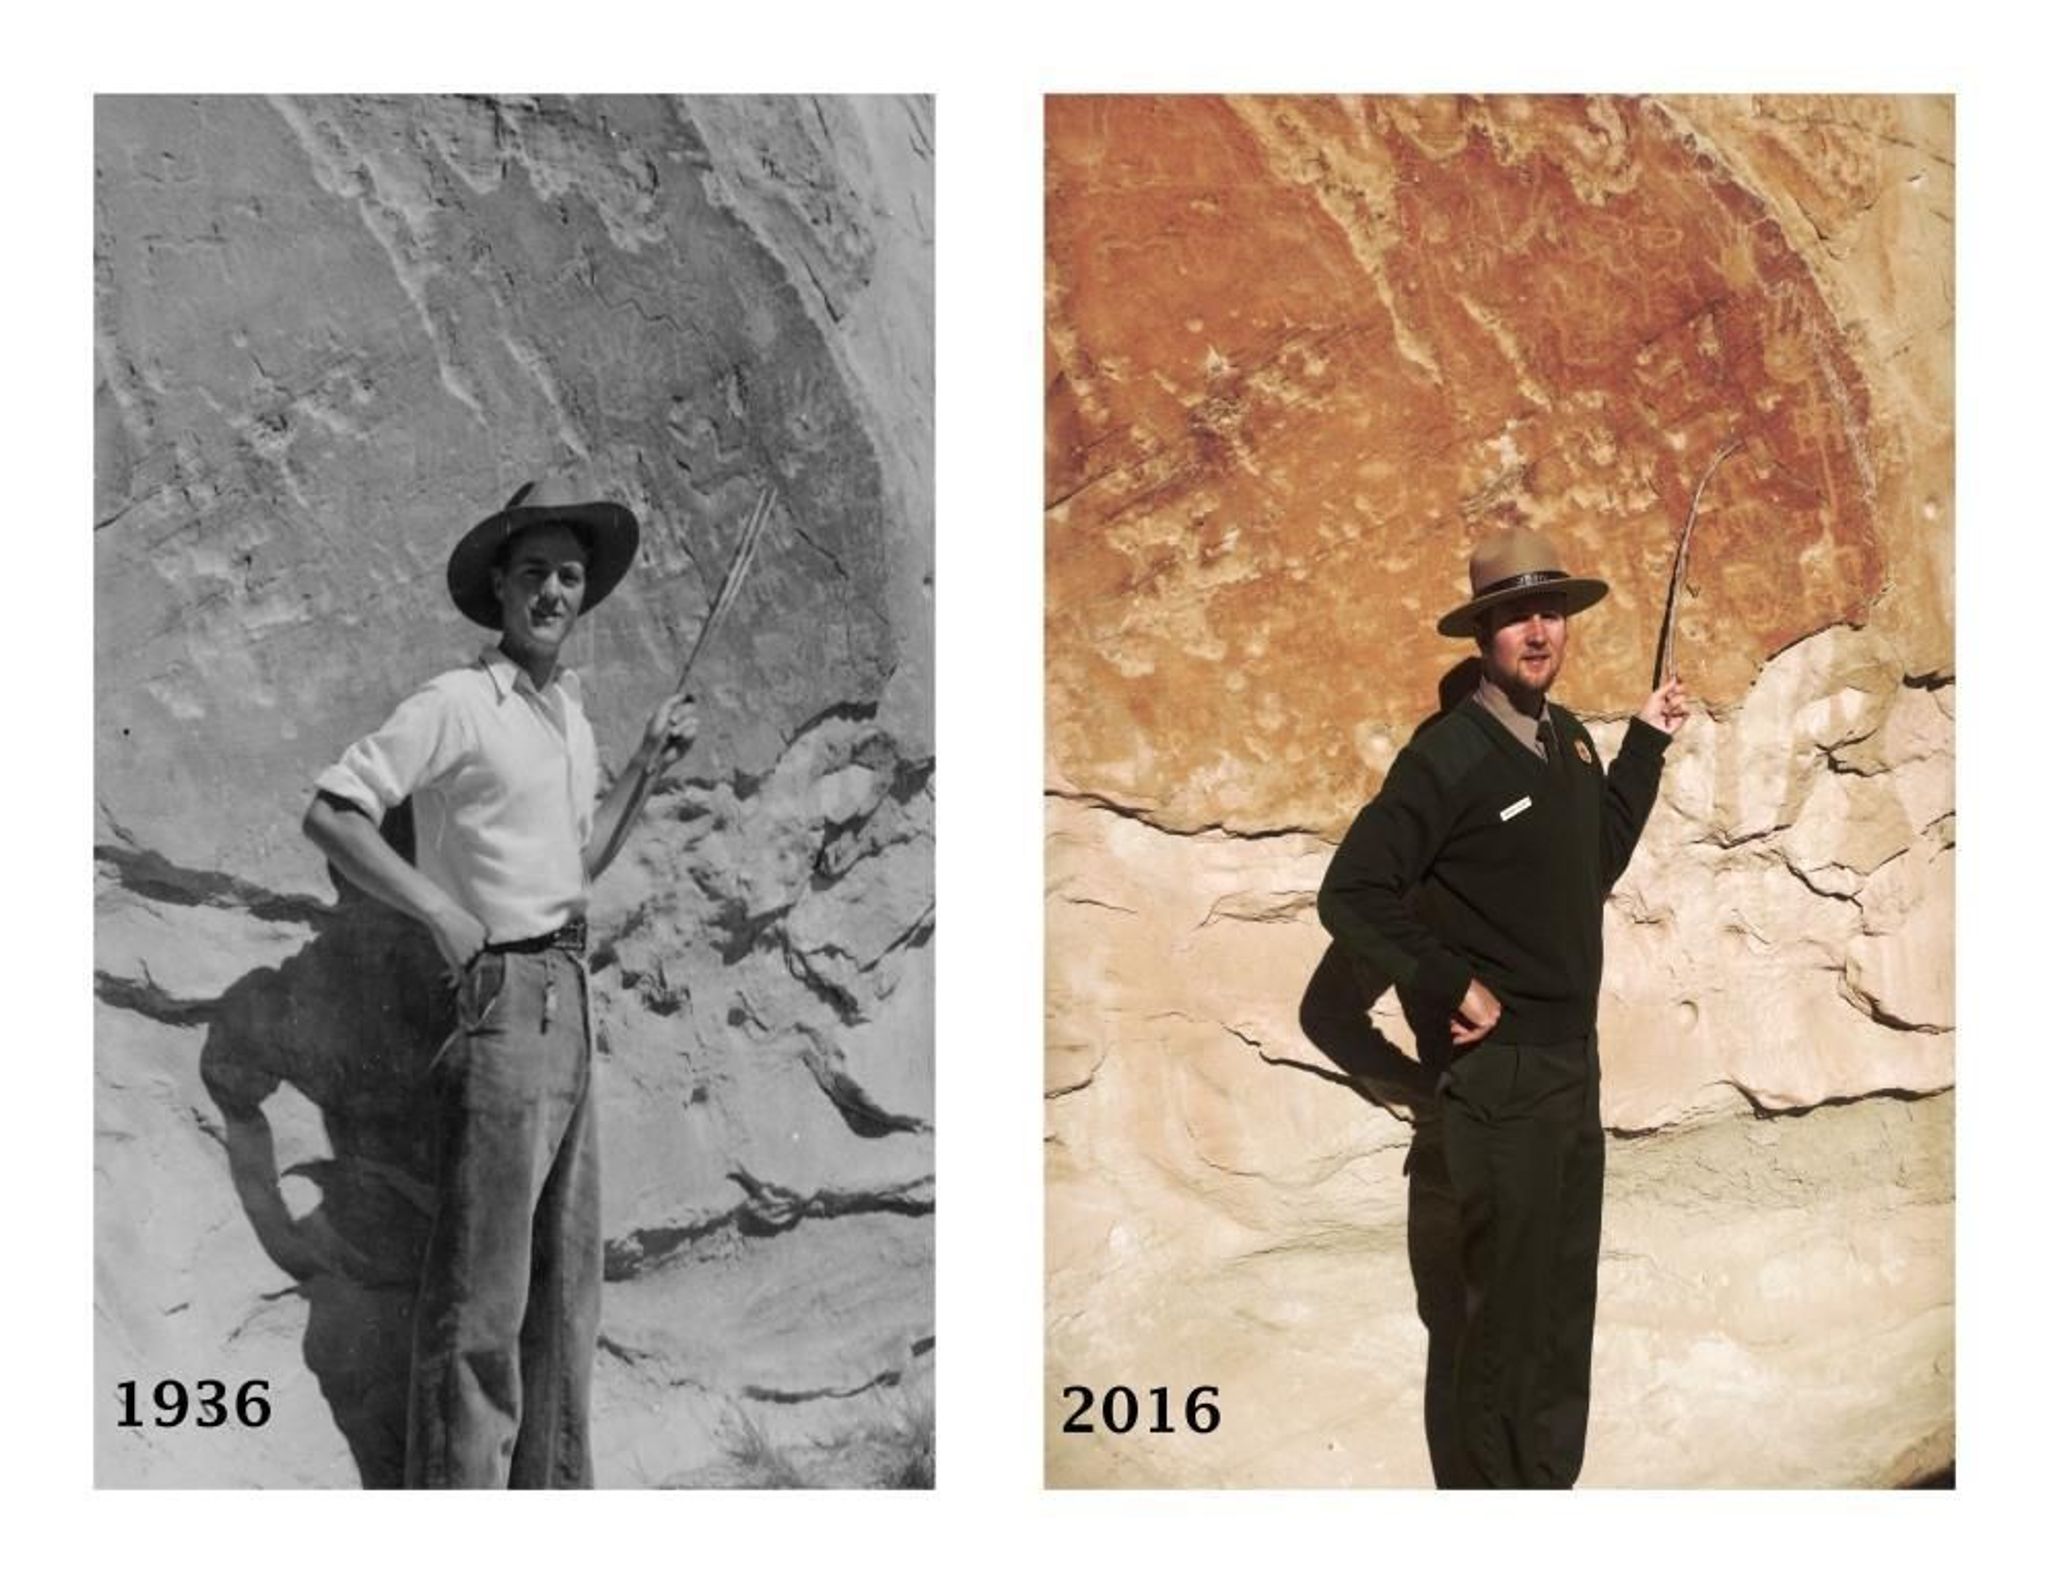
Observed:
{"x":1520,"y":726}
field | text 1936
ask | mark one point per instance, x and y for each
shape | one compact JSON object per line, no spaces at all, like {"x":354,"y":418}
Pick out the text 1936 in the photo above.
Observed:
{"x":205,"y":1404}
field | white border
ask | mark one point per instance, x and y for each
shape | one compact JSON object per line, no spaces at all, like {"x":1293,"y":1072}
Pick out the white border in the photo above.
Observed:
{"x":988,"y":67}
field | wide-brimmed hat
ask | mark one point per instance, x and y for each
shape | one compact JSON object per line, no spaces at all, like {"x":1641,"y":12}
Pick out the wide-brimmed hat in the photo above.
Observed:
{"x":608,"y":528}
{"x":1509,"y":564}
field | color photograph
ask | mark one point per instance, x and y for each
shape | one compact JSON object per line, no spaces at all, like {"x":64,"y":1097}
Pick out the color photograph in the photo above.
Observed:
{"x":1500,"y":791}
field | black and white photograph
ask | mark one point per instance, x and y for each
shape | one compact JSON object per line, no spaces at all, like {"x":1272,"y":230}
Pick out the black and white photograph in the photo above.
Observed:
{"x":513,"y":769}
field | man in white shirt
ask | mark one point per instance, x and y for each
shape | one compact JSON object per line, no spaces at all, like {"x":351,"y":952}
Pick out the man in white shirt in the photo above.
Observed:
{"x":500,"y":764}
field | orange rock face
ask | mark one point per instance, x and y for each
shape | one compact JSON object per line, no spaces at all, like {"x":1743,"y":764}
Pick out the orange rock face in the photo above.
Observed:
{"x":1303,"y":352}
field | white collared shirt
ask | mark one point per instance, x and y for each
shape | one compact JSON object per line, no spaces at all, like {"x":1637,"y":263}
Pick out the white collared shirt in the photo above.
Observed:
{"x":503,"y":781}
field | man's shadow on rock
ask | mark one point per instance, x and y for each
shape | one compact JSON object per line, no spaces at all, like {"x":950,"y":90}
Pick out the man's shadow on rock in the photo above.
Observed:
{"x":353,"y":1022}
{"x":1335,"y":1016}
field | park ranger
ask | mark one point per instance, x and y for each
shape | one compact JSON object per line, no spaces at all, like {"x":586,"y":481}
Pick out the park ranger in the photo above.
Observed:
{"x":1475,"y":882}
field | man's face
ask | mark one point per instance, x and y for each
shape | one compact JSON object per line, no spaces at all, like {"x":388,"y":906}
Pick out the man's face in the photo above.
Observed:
{"x":540,"y":588}
{"x":1521,"y":643}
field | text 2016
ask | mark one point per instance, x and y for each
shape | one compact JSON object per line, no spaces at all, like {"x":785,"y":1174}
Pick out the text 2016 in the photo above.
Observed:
{"x":1120,"y":1413}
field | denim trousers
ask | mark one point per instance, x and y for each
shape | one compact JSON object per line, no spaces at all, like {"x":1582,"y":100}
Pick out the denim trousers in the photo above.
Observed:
{"x":505,"y":1329}
{"x":1526,"y":1159}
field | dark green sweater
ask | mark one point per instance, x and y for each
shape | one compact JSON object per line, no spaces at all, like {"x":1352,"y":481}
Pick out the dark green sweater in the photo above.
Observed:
{"x":1433,"y":886}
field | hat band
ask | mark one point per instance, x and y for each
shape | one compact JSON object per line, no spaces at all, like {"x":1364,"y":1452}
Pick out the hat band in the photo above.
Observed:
{"x":1527,"y":579}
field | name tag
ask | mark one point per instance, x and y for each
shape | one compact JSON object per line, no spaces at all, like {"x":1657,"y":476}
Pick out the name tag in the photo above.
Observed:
{"x":1513,"y":808}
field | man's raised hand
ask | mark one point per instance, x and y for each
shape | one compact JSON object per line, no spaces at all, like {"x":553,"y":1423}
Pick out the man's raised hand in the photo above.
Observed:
{"x":670,"y":730}
{"x":1668,"y":707}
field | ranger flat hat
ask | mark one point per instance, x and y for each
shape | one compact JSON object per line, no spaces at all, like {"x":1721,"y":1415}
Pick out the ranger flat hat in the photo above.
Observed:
{"x":609,"y":529}
{"x":1509,"y":564}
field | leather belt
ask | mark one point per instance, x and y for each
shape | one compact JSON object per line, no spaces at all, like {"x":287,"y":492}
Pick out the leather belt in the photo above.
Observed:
{"x":572,"y":936}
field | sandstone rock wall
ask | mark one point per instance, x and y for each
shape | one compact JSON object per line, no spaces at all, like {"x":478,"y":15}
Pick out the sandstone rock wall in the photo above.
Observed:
{"x":1301,"y":353}
{"x":330,"y":334}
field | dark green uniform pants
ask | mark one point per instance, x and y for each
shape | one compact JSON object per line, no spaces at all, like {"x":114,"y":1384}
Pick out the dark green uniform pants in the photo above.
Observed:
{"x":1525,"y":1155}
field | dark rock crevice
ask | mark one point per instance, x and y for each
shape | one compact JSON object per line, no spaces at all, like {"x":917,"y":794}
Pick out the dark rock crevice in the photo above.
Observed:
{"x":768,"y":1210}
{"x":156,"y":878}
{"x":888,"y":1378}
{"x":1763,"y":1109}
{"x":738,"y":933}
{"x":1089,"y":900}
{"x":1151,"y":818}
{"x":1871,"y":1008}
{"x":147,"y":998}
{"x":839,"y":1001}
{"x":864,"y":1117}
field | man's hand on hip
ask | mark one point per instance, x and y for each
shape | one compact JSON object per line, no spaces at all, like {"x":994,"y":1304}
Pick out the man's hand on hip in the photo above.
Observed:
{"x":458,"y":936}
{"x":1475,"y":1015}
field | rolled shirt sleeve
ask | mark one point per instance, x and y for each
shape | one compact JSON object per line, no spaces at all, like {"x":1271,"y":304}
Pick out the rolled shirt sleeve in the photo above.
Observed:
{"x":417,"y":745}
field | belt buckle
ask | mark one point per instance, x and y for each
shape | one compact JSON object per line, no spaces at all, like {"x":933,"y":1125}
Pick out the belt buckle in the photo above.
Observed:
{"x":573,"y":935}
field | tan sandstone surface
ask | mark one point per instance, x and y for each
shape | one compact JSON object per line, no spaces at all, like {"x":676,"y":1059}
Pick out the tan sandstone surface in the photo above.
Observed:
{"x":330,"y":334}
{"x":1301,"y":353}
